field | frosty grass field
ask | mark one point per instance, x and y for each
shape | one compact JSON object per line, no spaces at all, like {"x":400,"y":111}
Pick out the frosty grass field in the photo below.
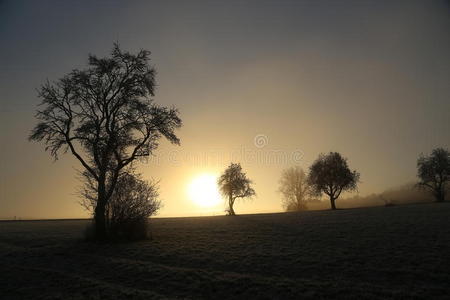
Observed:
{"x":373,"y":253}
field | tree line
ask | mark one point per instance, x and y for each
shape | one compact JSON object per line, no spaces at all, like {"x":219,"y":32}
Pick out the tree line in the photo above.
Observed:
{"x":105,"y":116}
{"x":330,"y":175}
{"x":297,"y":189}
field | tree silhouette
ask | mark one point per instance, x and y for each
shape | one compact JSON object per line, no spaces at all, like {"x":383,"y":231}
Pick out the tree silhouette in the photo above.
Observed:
{"x":234,"y":184}
{"x":331,"y":175}
{"x":105,"y":116}
{"x":434,"y":172}
{"x":294,"y":188}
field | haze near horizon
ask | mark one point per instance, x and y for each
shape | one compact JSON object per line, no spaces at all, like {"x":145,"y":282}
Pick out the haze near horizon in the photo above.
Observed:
{"x":264,"y":83}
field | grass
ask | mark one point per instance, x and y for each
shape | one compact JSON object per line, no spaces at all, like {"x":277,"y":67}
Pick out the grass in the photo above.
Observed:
{"x":373,"y":253}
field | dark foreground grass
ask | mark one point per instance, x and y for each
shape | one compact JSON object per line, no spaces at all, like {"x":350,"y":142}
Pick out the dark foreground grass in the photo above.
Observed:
{"x":373,"y":253}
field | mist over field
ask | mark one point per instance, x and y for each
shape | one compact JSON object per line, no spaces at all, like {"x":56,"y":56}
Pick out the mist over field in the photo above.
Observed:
{"x":404,"y":194}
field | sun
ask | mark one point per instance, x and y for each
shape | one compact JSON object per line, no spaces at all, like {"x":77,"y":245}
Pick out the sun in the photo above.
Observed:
{"x":203,"y":190}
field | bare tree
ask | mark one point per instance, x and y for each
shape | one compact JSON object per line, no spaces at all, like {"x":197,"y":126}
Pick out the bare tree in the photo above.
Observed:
{"x":331,"y":175}
{"x":295,"y":189}
{"x":105,"y":116}
{"x":132,"y":203}
{"x":434,"y":172}
{"x":234,"y":184}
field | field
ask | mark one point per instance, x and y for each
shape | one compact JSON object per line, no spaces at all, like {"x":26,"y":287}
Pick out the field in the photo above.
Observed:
{"x":373,"y":253}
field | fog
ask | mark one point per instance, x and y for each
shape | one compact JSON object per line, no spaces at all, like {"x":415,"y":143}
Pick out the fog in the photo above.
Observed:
{"x":407,"y":193}
{"x":366,"y":79}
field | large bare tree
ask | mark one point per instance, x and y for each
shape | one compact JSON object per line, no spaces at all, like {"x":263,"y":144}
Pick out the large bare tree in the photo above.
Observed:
{"x":330,"y":175}
{"x":434,"y":172}
{"x":105,"y":116}
{"x":234,"y":184}
{"x":294,"y":188}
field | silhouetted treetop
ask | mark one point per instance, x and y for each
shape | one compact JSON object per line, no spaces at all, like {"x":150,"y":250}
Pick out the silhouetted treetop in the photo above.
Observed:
{"x":233,"y":184}
{"x":434,"y":172}
{"x":330,"y":175}
{"x":295,"y":189}
{"x":104,"y":106}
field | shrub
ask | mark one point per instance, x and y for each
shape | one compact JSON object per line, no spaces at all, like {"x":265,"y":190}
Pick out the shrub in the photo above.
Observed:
{"x":128,"y":211}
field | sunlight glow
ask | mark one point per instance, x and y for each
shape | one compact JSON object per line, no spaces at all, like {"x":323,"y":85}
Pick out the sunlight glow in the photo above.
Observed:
{"x":203,"y":190}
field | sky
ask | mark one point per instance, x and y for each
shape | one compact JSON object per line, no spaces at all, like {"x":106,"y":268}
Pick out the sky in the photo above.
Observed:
{"x":269,"y":84}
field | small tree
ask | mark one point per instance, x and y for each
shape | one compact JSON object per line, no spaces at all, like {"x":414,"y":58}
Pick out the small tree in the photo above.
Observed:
{"x":105,"y":116}
{"x":234,"y":184}
{"x":434,"y":172}
{"x":294,"y":189}
{"x":132,"y":203}
{"x":331,"y":175}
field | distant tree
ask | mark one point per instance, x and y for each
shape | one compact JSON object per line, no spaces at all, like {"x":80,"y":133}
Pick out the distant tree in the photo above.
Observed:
{"x":234,"y":184}
{"x":132,"y":203}
{"x":331,"y":175}
{"x":295,"y":189}
{"x":105,"y":116}
{"x":434,"y":172}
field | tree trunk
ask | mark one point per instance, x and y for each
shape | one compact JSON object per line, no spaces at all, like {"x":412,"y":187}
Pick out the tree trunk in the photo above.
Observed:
{"x":333,"y":204}
{"x":100,"y":211}
{"x":100,"y":221}
{"x":439,"y":195}
{"x":230,"y":206}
